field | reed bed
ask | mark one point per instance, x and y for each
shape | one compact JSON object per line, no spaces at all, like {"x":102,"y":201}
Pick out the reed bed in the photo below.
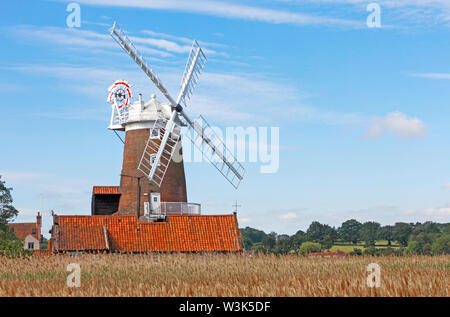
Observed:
{"x":217,"y":275}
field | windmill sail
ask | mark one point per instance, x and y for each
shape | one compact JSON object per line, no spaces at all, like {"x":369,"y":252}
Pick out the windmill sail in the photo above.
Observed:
{"x":120,"y":37}
{"x":194,"y":65}
{"x":156,"y":171}
{"x":213,"y":148}
{"x":154,"y":165}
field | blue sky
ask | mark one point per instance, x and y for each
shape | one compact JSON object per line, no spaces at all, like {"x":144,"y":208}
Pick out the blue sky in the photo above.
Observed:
{"x":362,"y":112}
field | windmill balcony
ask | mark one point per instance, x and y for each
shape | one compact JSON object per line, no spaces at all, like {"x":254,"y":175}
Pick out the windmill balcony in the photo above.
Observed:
{"x":177,"y":208}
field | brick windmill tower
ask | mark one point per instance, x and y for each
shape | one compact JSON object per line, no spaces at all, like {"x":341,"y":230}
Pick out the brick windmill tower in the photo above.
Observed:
{"x":143,"y":132}
{"x":153,"y":172}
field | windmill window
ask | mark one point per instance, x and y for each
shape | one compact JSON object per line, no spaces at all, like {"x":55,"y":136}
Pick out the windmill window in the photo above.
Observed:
{"x":30,"y":245}
{"x":33,"y":231}
{"x":154,"y":134}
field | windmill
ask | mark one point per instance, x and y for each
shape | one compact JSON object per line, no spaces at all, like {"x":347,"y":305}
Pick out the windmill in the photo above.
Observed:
{"x":155,"y":163}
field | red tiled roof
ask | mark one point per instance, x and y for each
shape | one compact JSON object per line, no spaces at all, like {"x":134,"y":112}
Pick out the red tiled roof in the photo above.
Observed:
{"x":22,"y":230}
{"x":106,"y":190}
{"x":180,"y":233}
{"x":79,"y":237}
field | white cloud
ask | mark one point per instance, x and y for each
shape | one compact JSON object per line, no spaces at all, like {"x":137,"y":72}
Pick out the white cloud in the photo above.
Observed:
{"x":184,"y":40}
{"x":398,"y":124}
{"x":13,"y":176}
{"x":382,"y":213}
{"x":223,"y":98}
{"x":76,"y":38}
{"x":288,"y":216}
{"x":438,"y":214}
{"x":244,"y":220}
{"x":157,"y":45}
{"x":433,"y":75}
{"x":230,"y":10}
{"x":447,"y":185}
{"x":232,"y":97}
{"x":26,"y":213}
{"x":404,"y":12}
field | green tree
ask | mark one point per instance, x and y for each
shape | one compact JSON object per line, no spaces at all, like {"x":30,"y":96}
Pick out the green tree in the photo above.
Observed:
{"x":386,"y":233}
{"x":369,"y":232}
{"x":441,"y":245}
{"x":327,"y":242}
{"x":349,"y":231}
{"x":10,"y":244}
{"x":254,"y":235}
{"x":269,"y":241}
{"x":308,"y":247}
{"x":283,"y":245}
{"x":7,"y":211}
{"x":401,"y":232}
{"x":446,"y":228}
{"x":317,"y":232}
{"x":427,"y":227}
{"x":297,"y":239}
{"x":413,"y":248}
{"x":248,"y":243}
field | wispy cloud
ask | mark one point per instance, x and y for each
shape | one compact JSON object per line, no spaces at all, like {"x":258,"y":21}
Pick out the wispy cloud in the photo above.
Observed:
{"x":159,"y":47}
{"x":428,"y":214}
{"x":231,"y":10}
{"x":226,"y":98}
{"x":398,"y":124}
{"x":244,"y":220}
{"x":288,"y":216}
{"x":231,"y":97}
{"x":399,"y":12}
{"x":14,"y":176}
{"x":433,"y":75}
{"x":76,"y":38}
{"x":181,"y":39}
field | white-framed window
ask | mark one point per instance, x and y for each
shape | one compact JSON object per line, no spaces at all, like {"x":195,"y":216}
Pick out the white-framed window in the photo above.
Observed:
{"x":152,"y":158}
{"x":154,"y":133}
{"x":30,"y":245}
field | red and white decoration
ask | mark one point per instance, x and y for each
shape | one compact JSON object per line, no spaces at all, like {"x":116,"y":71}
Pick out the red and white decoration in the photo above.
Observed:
{"x":120,"y":94}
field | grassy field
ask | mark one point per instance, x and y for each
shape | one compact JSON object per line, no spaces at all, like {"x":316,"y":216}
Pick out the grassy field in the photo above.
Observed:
{"x":224,"y":275}
{"x":349,"y":247}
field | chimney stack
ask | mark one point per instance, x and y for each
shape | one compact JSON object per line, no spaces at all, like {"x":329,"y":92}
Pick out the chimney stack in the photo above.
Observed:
{"x":38,"y":225}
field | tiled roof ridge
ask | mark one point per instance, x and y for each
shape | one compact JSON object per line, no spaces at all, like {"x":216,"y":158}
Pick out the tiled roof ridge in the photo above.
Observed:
{"x":132,"y":216}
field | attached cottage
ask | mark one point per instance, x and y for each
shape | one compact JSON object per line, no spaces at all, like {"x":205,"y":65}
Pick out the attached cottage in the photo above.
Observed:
{"x":29,"y":232}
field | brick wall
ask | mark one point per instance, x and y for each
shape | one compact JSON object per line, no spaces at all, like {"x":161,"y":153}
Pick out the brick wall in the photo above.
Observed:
{"x":173,"y":187}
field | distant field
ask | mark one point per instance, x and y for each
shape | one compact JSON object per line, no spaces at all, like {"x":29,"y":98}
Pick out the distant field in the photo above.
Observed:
{"x":224,"y":275}
{"x":348,"y":247}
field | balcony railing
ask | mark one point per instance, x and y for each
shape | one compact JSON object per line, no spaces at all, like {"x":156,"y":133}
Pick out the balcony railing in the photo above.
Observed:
{"x":177,"y":208}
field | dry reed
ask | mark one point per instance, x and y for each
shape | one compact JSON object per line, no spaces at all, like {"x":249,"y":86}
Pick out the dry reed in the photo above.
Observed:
{"x":223,"y":275}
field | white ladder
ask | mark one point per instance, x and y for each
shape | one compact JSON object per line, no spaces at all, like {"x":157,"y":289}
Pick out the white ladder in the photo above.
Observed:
{"x":152,"y":147}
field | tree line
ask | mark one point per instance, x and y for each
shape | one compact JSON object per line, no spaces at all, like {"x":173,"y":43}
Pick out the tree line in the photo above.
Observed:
{"x":427,"y":238}
{"x":10,"y":244}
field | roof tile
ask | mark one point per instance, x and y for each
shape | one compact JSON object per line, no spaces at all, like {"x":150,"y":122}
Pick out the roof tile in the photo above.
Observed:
{"x":106,"y":190}
{"x":180,"y":233}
